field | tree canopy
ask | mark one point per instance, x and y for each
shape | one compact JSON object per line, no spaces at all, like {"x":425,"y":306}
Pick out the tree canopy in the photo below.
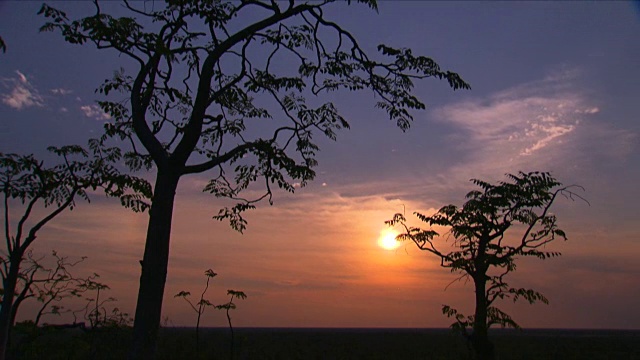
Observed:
{"x":216,"y":82}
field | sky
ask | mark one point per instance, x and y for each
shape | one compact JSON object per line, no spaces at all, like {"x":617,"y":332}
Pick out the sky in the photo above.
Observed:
{"x":554,"y":88}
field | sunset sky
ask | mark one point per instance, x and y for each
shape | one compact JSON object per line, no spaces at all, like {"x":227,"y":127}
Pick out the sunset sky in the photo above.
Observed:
{"x":554,"y":88}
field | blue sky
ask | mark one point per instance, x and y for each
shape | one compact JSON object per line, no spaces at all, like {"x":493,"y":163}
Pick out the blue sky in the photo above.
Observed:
{"x":554,"y":88}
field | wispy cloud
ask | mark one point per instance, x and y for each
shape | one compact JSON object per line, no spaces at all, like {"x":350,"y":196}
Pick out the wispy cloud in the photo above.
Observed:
{"x":95,"y":112}
{"x":22,"y":94}
{"x":541,"y":125}
{"x":61,"y":91}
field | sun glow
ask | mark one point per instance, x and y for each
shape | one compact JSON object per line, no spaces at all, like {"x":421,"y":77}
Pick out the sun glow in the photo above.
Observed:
{"x":387,"y":239}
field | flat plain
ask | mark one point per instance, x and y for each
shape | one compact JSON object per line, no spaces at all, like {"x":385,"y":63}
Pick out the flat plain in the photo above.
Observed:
{"x":296,"y":343}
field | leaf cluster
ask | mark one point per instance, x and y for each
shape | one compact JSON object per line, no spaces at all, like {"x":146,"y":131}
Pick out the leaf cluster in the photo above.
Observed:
{"x":200,"y":306}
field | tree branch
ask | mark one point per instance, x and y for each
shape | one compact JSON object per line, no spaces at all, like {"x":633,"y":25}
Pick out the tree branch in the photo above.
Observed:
{"x":193,"y":129}
{"x":218,"y":160}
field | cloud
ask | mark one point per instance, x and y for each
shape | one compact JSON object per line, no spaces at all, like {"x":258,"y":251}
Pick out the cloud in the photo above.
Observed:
{"x":542,"y":125}
{"x":61,"y":91}
{"x":23,"y":94}
{"x":95,"y":112}
{"x":546,"y":133}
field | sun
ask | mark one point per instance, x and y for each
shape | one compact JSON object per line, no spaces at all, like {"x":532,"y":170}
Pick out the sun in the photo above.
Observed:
{"x":387,"y":239}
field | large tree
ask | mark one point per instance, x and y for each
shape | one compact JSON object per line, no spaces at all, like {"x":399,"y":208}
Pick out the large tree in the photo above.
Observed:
{"x":483,"y":250}
{"x":229,"y":88}
{"x":34,"y":194}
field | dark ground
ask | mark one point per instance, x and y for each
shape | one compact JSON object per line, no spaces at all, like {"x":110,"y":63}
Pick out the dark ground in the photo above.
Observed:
{"x":272,"y":343}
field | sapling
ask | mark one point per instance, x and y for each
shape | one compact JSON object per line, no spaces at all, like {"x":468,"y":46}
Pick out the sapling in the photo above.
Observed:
{"x":228,"y":306}
{"x":201,"y":305}
{"x":95,"y":310}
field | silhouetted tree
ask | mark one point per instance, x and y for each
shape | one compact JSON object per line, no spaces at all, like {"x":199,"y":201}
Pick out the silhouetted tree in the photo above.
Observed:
{"x":485,"y":253}
{"x":190,"y":106}
{"x":44,"y":193}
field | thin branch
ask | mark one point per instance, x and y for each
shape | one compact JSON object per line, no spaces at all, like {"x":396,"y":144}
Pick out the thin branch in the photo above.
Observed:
{"x":32,"y":232}
{"x":198,"y":168}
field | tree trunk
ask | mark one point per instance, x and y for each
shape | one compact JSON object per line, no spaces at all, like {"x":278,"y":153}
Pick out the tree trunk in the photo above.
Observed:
{"x":154,"y":268}
{"x":7,"y":311}
{"x":482,"y":347}
{"x":14,"y":310}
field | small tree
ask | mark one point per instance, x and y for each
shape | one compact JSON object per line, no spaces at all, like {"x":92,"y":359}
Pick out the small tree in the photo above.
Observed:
{"x":228,"y":307}
{"x":95,"y":310}
{"x":201,"y":305}
{"x":44,"y":193}
{"x":485,"y":253}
